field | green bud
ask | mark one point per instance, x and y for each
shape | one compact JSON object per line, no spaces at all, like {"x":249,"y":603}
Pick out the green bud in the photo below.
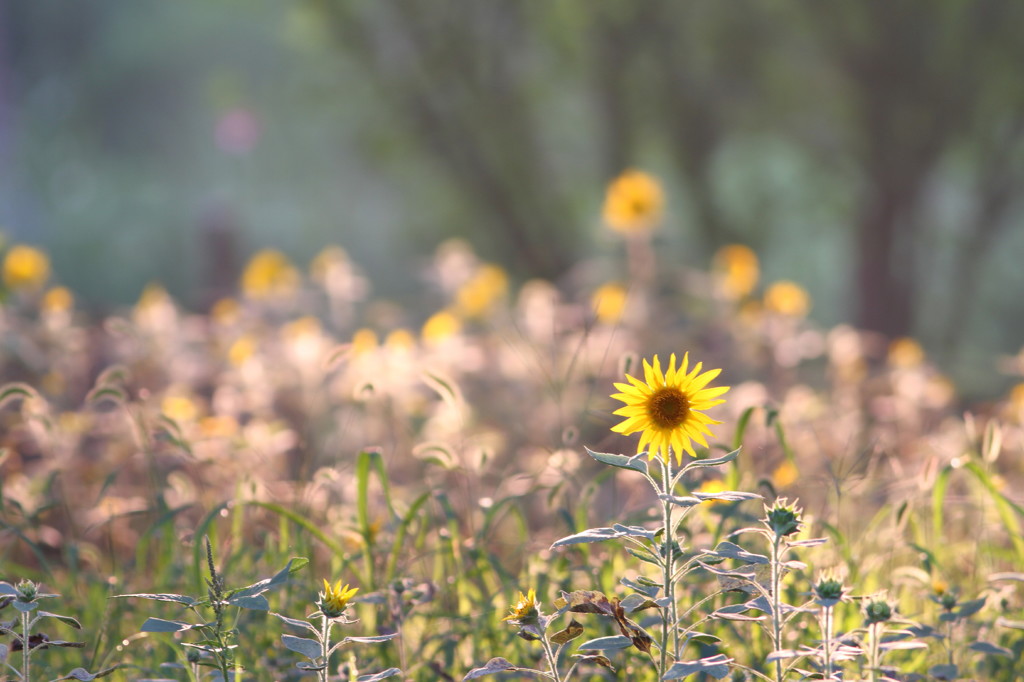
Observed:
{"x":27,"y":591}
{"x":877,"y":612}
{"x":829,"y":591}
{"x":782,"y":518}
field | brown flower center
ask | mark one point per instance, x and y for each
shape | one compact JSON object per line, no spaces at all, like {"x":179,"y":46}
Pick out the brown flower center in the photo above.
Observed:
{"x":668,"y":408}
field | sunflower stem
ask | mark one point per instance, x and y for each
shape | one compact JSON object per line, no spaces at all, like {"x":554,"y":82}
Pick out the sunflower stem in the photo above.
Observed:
{"x":552,"y":658}
{"x":669,"y":616}
{"x":777,"y":601}
{"x":325,"y":649}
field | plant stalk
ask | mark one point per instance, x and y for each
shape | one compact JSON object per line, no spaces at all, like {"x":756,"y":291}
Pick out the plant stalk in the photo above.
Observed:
{"x":325,"y":649}
{"x":26,"y":644}
{"x":671,"y":616}
{"x":777,"y":603}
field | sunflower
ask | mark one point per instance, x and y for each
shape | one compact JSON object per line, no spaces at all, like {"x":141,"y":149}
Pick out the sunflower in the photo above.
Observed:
{"x":526,"y":610}
{"x":666,"y":407}
{"x":634,"y":202}
{"x":334,"y":599}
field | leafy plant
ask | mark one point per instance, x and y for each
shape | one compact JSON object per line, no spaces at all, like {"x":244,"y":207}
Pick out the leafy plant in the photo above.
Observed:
{"x":215,"y":647}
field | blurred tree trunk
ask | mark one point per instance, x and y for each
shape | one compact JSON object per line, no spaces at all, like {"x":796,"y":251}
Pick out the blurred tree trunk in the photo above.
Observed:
{"x":920,"y":93}
{"x":457,"y":72}
{"x":6,"y":118}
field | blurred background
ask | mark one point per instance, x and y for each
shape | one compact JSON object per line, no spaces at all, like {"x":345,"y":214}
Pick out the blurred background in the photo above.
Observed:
{"x":873,"y":152}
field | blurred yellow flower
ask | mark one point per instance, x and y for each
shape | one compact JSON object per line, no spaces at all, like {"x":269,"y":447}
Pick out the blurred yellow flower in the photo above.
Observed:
{"x":179,"y":408}
{"x":1017,"y":400}
{"x":25,"y":267}
{"x":363,"y":341}
{"x":609,"y":302}
{"x":241,"y":350}
{"x":400,"y":339}
{"x":665,"y":407}
{"x":905,"y":353}
{"x":328,"y":258}
{"x":333,"y":600}
{"x":218,"y":426}
{"x":526,"y":609}
{"x":57,"y":300}
{"x":478,"y":295}
{"x":710,"y":487}
{"x":739,"y":268}
{"x":441,"y":325}
{"x":305,"y":326}
{"x":225,"y":311}
{"x":634,"y":202}
{"x":787,"y":298}
{"x":269,"y":274}
{"x":153,"y":296}
{"x":785,"y":474}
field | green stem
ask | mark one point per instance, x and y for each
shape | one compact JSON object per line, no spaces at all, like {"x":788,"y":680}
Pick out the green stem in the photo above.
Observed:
{"x":26,"y":644}
{"x":325,"y":649}
{"x":550,"y":655}
{"x":828,"y":626}
{"x":669,"y":616}
{"x":873,"y":662}
{"x":949,"y":640}
{"x":777,"y":603}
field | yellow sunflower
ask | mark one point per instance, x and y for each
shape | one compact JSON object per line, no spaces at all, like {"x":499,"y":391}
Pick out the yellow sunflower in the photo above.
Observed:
{"x":334,"y":599}
{"x":526,"y":610}
{"x":666,"y":407}
{"x":634,"y":202}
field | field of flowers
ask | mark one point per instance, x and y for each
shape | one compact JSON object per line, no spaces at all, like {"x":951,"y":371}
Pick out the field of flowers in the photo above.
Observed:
{"x":455,"y":493}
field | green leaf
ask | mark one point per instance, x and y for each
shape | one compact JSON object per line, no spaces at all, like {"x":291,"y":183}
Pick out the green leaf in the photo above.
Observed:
{"x":255,"y":603}
{"x":595,"y":658}
{"x":65,"y":644}
{"x":280,"y":578}
{"x":587,"y":536}
{"x":969,"y":608}
{"x":85,"y":676}
{"x":16,"y":391}
{"x":309,"y":648}
{"x":635,"y":531}
{"x":571,"y":632}
{"x":684,"y":501}
{"x":718,"y":461}
{"x":643,"y":588}
{"x":716,"y":666}
{"x":67,"y":620}
{"x":495,"y":665}
{"x":161,"y":625}
{"x":728,"y":496}
{"x":728,"y":550}
{"x":944,"y":672}
{"x":382,"y":675}
{"x":637,"y":602}
{"x":606,"y":643}
{"x":176,"y":598}
{"x":634,"y":463}
{"x":991,"y":649}
{"x":296,"y":623}
{"x":376,"y":639}
{"x":810,"y":542}
{"x":643,"y":555}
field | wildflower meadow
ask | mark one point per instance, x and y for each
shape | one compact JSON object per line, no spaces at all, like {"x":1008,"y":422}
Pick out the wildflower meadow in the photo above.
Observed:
{"x":640,"y":472}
